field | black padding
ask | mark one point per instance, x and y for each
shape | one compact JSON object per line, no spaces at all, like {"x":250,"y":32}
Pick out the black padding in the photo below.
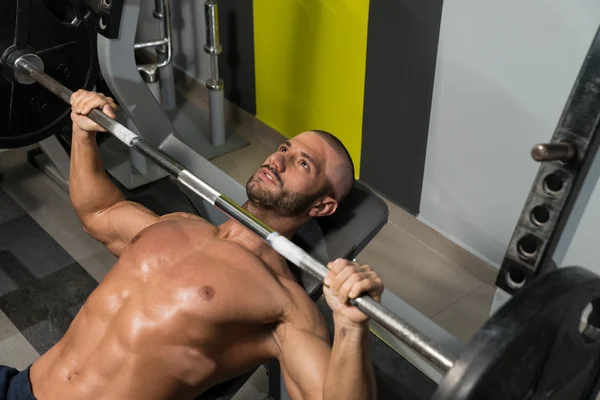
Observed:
{"x":342,"y":235}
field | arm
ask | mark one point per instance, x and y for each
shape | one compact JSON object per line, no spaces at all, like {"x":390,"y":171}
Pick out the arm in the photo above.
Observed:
{"x":98,"y":202}
{"x":313,"y":370}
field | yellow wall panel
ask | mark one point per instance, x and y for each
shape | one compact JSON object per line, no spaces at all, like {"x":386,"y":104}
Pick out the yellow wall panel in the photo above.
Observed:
{"x":310,"y":58}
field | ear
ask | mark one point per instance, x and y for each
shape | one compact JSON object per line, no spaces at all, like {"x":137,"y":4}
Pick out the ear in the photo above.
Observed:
{"x":324,"y":207}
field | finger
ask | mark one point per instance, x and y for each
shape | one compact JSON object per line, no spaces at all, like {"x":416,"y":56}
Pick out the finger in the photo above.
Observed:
{"x":375,"y":287}
{"x":334,"y":268}
{"x":363,"y":286}
{"x":108,"y":111}
{"x":76,"y":97}
{"x":90,"y":103}
{"x":365,"y":268}
{"x":338,"y":265}
{"x":347,"y":286}
{"x":83,"y":99}
{"x":341,"y":278}
{"x":112,"y":103}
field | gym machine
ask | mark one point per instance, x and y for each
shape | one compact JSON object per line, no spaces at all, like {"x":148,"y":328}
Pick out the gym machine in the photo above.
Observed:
{"x":569,"y":171}
{"x":533,"y":347}
{"x":111,"y":27}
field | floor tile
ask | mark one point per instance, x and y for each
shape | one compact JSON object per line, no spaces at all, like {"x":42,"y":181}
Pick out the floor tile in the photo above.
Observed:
{"x":28,"y":252}
{"x":438,"y":242}
{"x":8,"y":208}
{"x":51,"y":208}
{"x":7,"y":328}
{"x":411,"y":270}
{"x":465,"y":317}
{"x":7,"y":284}
{"x":13,"y":158}
{"x":42,"y":309}
{"x":16,"y":352}
{"x":256,"y":388}
{"x":242,"y":163}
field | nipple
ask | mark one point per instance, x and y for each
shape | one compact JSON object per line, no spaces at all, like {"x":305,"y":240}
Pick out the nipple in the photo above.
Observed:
{"x":206,"y":293}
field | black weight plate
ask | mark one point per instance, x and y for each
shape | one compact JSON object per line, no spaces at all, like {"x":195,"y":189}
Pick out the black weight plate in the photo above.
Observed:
{"x":532,"y":348}
{"x":30,"y":113}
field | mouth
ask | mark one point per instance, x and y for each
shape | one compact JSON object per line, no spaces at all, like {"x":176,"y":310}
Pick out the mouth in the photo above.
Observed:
{"x":268,"y":176}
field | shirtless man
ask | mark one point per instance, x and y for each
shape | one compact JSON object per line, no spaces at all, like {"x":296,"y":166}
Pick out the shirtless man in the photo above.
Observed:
{"x":189,"y":305}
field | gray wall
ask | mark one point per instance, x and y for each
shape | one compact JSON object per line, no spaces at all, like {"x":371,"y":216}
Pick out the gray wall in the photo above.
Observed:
{"x":504,"y":72}
{"x":401,"y":55}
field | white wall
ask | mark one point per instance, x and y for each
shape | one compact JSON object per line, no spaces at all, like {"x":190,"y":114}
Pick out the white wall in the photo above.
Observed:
{"x":504,"y":72}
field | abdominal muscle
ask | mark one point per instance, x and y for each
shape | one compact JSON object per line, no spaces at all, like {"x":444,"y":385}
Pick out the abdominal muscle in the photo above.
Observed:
{"x":160,"y":332}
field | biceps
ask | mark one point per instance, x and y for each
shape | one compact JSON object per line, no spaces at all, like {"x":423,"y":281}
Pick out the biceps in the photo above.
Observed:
{"x":117,"y":225}
{"x":304,"y":364}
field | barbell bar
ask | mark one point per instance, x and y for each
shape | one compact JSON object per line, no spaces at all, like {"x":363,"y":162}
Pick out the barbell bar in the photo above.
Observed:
{"x":442,"y":360}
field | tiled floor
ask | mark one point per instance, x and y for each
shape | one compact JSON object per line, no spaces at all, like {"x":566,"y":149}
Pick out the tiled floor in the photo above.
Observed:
{"x":419,"y":265}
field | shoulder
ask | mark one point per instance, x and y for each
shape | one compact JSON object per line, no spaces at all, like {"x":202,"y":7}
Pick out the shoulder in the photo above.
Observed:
{"x":182,"y":223}
{"x":182,"y":215}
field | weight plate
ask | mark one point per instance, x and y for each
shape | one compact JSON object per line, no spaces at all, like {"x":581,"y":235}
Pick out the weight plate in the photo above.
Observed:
{"x":65,"y":40}
{"x":533,"y":347}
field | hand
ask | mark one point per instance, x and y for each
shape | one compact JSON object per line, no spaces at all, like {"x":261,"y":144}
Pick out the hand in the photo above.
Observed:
{"x":348,"y":280}
{"x":83,"y":102}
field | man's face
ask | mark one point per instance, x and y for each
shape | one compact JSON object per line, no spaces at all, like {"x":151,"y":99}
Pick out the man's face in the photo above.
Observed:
{"x":294,"y":178}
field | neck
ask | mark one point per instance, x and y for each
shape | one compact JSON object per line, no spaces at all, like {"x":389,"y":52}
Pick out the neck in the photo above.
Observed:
{"x":285,"y":226}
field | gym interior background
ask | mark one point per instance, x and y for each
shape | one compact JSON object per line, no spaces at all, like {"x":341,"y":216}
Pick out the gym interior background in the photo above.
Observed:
{"x":439,"y":104}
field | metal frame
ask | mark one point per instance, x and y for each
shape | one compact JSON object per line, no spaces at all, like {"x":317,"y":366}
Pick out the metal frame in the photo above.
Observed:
{"x":187,"y":122}
{"x":562,"y":187}
{"x":214,"y":84}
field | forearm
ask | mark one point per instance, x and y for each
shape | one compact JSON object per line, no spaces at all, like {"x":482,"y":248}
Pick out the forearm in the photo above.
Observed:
{"x":350,"y":372}
{"x":90,"y":188}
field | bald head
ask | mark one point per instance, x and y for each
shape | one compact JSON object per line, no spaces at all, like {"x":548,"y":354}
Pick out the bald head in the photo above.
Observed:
{"x":341,"y":174}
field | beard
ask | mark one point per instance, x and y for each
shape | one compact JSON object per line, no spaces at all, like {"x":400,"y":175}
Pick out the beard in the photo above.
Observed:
{"x":282,"y":202}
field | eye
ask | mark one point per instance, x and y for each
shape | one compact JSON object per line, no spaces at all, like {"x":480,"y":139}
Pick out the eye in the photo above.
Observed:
{"x":304,"y":165}
{"x":283,"y":149}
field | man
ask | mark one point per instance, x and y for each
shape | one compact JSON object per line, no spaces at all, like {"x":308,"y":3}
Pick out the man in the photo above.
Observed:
{"x":189,"y":305}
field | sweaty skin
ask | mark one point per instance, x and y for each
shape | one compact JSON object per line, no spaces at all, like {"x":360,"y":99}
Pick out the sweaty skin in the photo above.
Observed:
{"x":189,"y":305}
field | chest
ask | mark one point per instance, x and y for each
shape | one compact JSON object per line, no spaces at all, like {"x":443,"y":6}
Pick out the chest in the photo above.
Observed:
{"x":188,"y":272}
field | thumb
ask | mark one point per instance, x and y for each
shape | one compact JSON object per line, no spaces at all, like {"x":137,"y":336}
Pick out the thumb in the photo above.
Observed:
{"x":108,"y":111}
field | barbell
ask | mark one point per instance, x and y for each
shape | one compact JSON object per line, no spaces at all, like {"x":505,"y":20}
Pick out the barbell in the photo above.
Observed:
{"x":536,"y":346}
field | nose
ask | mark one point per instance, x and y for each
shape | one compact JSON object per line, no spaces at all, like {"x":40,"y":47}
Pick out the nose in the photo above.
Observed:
{"x":277,"y":160}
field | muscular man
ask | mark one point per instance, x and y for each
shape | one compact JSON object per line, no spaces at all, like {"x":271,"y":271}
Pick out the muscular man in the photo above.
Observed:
{"x":189,"y":305}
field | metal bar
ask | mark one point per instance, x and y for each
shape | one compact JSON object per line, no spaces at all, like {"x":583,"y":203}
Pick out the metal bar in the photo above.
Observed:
{"x":215,"y":85}
{"x":165,"y":14}
{"x":563,"y":151}
{"x":439,"y":358}
{"x":168,"y":34}
{"x":211,"y":15}
{"x":159,"y":10}
{"x":153,"y":43}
